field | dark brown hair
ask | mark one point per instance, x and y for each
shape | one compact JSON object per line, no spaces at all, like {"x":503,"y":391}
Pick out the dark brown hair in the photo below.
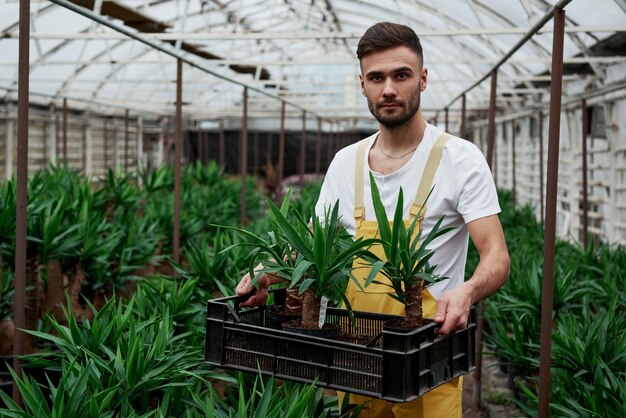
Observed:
{"x":384,"y":35}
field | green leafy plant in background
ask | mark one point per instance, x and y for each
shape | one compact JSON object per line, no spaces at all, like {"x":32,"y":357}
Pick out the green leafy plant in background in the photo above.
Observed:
{"x":588,"y":320}
{"x":118,"y":364}
{"x":407,"y":258}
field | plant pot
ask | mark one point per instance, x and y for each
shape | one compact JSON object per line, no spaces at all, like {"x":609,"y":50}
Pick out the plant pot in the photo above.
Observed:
{"x":400,"y":326}
{"x":276,"y":316}
{"x":328,"y":331}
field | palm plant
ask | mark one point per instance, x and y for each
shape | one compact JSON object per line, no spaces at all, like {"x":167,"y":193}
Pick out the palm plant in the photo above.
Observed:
{"x":323,"y":255}
{"x":407,"y":264}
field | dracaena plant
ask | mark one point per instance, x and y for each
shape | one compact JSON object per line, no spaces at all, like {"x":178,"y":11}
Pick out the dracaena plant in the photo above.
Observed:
{"x":407,"y":264}
{"x":323,"y":252}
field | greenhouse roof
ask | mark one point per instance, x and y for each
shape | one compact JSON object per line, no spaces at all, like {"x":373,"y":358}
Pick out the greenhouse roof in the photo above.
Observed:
{"x":300,"y":51}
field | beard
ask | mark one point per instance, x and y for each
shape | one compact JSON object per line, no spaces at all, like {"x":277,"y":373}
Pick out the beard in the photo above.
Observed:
{"x":402,"y":118}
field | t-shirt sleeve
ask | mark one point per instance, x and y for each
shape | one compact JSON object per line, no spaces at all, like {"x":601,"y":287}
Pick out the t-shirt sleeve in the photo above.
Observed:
{"x":476,"y":190}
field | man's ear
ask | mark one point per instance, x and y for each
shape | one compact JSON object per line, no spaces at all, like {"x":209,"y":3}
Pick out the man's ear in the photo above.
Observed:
{"x":362,"y":84}
{"x":424,"y":79}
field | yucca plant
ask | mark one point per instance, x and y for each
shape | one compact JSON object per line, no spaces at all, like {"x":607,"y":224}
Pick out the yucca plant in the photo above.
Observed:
{"x":407,"y":264}
{"x":323,"y":255}
{"x":118,"y":364}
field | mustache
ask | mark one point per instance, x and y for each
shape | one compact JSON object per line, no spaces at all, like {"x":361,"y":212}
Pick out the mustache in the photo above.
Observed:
{"x":389,"y":101}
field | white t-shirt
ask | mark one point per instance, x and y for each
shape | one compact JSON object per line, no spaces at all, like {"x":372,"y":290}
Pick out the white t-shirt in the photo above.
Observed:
{"x":463,"y":191}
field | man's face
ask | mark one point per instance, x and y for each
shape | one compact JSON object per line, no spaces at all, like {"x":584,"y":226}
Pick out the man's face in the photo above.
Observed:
{"x":392,"y":81}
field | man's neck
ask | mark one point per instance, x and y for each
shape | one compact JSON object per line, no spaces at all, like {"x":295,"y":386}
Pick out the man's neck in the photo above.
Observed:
{"x":403,"y":137}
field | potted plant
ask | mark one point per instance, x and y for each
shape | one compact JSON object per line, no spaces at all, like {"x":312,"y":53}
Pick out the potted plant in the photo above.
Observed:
{"x":407,"y":264}
{"x":314,"y":260}
{"x":322,"y":258}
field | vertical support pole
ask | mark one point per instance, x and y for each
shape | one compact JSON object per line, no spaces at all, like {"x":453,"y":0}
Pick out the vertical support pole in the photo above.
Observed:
{"x":491,"y":130}
{"x":541,"y":206}
{"x":255,"y":155}
{"x":463,"y":109}
{"x":446,"y":119}
{"x":116,"y":153}
{"x":177,"y":158}
{"x":200,"y":136}
{"x":269,"y":156}
{"x":139,"y":160}
{"x":303,"y":147}
{"x":222,"y":145}
{"x":243,"y":157}
{"x":318,"y":147}
{"x":52,"y":139}
{"x":513,"y":134}
{"x":19,"y":303}
{"x":329,"y":145}
{"x":585,"y":191}
{"x":550,"y":227}
{"x":161,"y":145}
{"x":491,"y":134}
{"x":281,"y":146}
{"x":126,"y":140}
{"x":88,"y":146}
{"x":65,"y":132}
{"x":10,"y":148}
{"x":105,"y":143}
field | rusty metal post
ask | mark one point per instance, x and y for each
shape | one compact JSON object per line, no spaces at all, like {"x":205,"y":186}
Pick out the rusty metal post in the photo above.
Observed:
{"x":222,"y":145}
{"x":200,"y":141}
{"x":541,"y":206}
{"x":463,"y":110}
{"x":547,"y":288}
{"x":126,"y":134}
{"x":491,"y":130}
{"x":303,"y":148}
{"x":187,"y":149}
{"x":177,"y":157}
{"x":281,"y":146}
{"x":255,"y":162}
{"x":19,"y":302}
{"x":243,"y":156}
{"x":105,"y":144}
{"x":269,"y":154}
{"x":318,"y":147}
{"x":513,"y":134}
{"x":329,"y":145}
{"x":480,"y":325}
{"x":585,"y":196}
{"x":65,"y":132}
{"x":446,"y":119}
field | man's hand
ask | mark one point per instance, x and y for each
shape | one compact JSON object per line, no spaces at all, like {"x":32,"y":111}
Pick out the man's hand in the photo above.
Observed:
{"x":453,"y":309}
{"x":492,"y":271}
{"x":258,"y":297}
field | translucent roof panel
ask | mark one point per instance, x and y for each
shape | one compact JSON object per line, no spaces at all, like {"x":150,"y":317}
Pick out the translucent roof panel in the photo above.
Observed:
{"x":300,"y":51}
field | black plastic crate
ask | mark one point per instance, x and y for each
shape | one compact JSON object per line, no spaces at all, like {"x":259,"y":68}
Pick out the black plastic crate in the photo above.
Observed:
{"x":392,"y":366}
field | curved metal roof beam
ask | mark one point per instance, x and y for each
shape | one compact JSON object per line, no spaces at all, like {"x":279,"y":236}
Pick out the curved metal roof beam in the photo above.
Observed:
{"x":531,"y":43}
{"x":105,"y":52}
{"x":581,"y":45}
{"x":465,"y":69}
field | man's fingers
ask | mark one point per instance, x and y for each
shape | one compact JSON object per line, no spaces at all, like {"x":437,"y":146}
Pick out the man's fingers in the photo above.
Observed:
{"x":442,"y":307}
{"x":454,"y":321}
{"x":257,"y":299}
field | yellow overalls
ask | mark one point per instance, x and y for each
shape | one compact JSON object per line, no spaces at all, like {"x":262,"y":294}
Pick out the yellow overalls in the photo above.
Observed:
{"x":444,"y":401}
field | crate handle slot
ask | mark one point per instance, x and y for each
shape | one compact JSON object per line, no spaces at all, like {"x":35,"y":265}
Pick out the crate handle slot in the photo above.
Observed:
{"x":234,"y":313}
{"x":374,"y":340}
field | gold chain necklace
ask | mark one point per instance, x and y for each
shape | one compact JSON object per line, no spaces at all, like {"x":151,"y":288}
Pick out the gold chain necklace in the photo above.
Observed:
{"x":391,"y":156}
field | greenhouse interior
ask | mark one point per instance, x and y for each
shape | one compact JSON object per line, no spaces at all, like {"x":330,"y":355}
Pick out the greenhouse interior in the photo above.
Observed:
{"x":155,"y":155}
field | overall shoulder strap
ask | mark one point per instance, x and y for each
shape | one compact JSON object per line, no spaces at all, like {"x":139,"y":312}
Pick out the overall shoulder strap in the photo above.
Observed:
{"x":359,"y":208}
{"x":425,"y":186}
